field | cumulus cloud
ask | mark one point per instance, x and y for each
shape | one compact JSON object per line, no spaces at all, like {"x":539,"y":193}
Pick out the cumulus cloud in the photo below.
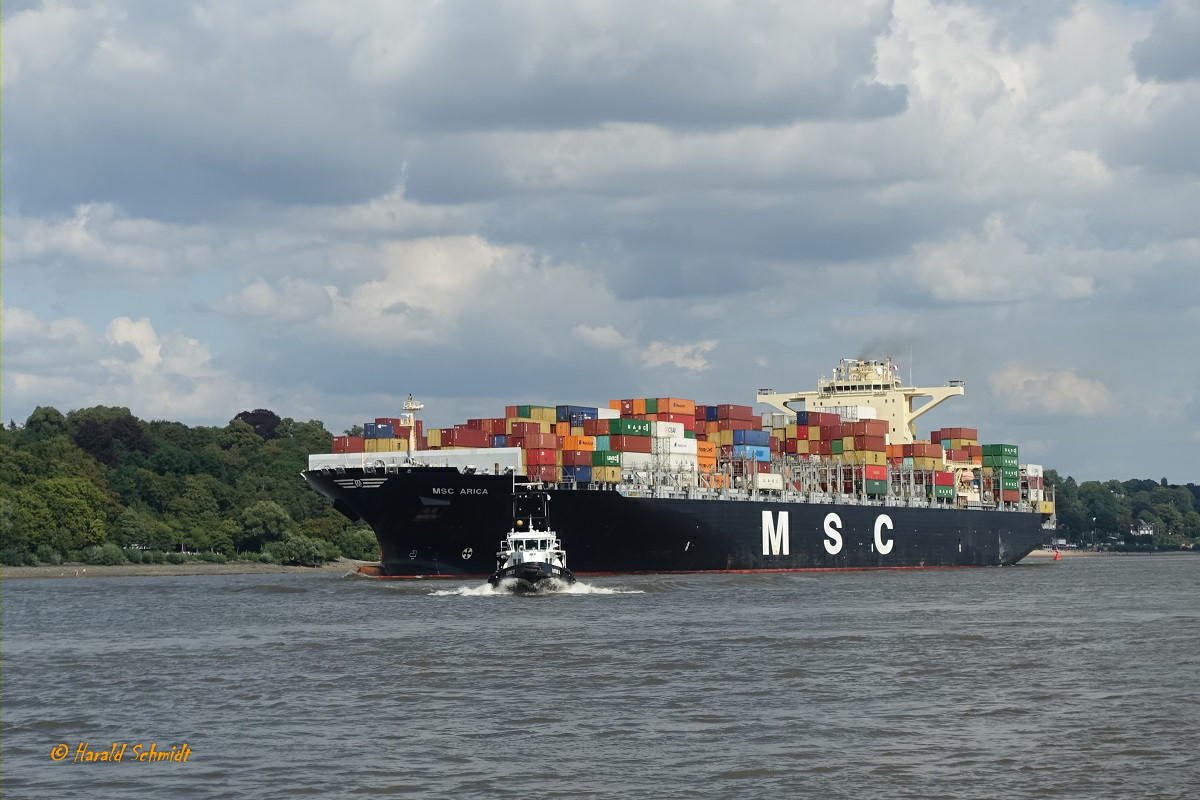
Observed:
{"x":685,"y":356}
{"x":1062,"y":392}
{"x":158,"y":376}
{"x":1169,"y":53}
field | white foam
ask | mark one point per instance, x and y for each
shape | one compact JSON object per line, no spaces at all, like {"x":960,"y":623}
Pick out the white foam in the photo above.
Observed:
{"x":547,"y":588}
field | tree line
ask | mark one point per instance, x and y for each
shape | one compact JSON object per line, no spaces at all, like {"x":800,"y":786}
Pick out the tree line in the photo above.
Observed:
{"x":100,"y":485}
{"x":1111,"y":513}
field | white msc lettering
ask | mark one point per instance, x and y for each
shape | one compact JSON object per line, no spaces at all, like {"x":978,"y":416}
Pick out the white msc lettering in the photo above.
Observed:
{"x":775,"y":536}
{"x":833,"y":544}
{"x":880,"y":545}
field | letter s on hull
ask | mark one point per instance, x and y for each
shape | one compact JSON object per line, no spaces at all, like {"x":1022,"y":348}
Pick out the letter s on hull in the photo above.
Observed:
{"x":883,"y":547}
{"x":833,"y":540}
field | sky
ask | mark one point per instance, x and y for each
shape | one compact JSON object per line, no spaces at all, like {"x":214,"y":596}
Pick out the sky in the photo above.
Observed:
{"x":319,"y":207}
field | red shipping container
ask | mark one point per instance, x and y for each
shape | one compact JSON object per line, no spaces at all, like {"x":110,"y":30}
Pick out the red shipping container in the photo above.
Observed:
{"x":577,"y":458}
{"x":540,"y":456}
{"x":629,"y":444}
{"x":510,"y":412}
{"x":823,"y":418}
{"x":348,"y":444}
{"x":874,"y":472}
{"x":1010,"y":495}
{"x":801,"y":431}
{"x":943,"y":479}
{"x":626,"y":407}
{"x":831,"y":432}
{"x":789,"y":446}
{"x":465,"y":437}
{"x":475,"y":424}
{"x":867,"y":427}
{"x":776,"y":445}
{"x":540,"y":441}
{"x":874,"y":443}
{"x":393,"y":421}
{"x":687,"y":420}
{"x":525,"y":428}
{"x":420,"y":428}
{"x":728,"y":411}
{"x":821,"y":448}
{"x":735,"y":425}
{"x":541,"y":472}
{"x":595,"y":427}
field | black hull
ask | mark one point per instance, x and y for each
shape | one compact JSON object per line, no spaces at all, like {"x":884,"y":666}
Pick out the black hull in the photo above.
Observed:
{"x":439,"y":522}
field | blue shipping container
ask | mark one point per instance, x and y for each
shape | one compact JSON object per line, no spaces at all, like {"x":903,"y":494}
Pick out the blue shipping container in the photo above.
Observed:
{"x":750,"y":452}
{"x":499,"y":440}
{"x":563,"y":413}
{"x":384,"y":430}
{"x":757,"y":438}
{"x":577,"y":417}
{"x":710,"y":413}
{"x":369,"y":430}
{"x":581,"y":474}
{"x":801,"y":417}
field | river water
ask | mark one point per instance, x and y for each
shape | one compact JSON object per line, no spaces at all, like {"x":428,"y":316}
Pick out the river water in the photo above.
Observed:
{"x":1075,"y":679}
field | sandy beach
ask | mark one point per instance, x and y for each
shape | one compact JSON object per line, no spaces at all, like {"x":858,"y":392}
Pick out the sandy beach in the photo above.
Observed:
{"x":342,"y":565}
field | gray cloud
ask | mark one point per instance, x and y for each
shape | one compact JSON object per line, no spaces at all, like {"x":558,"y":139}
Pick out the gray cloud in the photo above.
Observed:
{"x":1170,"y":53}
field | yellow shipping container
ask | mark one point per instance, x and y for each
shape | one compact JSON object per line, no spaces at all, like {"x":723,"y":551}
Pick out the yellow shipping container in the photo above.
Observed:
{"x":579,"y":443}
{"x":433,"y":437}
{"x":606,"y":474}
{"x":722,"y":438}
{"x":789,"y":431}
{"x":576,"y":431}
{"x":872,"y":457}
{"x":544,"y":414}
{"x":847,"y":444}
{"x":1046,"y":507}
{"x":802,"y":447}
{"x":814,"y":433}
{"x":927,"y":463}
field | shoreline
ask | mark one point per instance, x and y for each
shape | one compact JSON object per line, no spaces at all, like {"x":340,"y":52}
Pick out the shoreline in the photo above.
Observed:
{"x":75,"y":570}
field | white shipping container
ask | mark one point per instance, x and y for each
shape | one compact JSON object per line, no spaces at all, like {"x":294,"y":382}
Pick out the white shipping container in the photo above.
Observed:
{"x":607,"y":413}
{"x":679,"y":462}
{"x":666,"y":430}
{"x":768,"y":480}
{"x":1032,"y":470}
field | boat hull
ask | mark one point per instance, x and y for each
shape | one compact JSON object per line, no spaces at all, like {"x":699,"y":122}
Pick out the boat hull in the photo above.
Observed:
{"x":438,"y":522}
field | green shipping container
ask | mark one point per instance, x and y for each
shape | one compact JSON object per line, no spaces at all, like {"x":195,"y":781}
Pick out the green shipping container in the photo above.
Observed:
{"x":836,"y":447}
{"x":1000,"y":461}
{"x":606,"y":458}
{"x":523,"y":412}
{"x":1000,"y":450}
{"x":689,"y":434}
{"x":629,"y":427}
{"x":941,"y":492}
{"x":651,"y":405}
{"x":1010,"y":483}
{"x":876,"y":487}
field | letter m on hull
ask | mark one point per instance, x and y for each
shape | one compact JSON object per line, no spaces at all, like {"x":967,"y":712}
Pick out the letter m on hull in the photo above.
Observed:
{"x":775,"y":534}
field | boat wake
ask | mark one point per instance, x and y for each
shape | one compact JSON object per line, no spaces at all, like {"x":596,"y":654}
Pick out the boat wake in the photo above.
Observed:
{"x":507,"y":588}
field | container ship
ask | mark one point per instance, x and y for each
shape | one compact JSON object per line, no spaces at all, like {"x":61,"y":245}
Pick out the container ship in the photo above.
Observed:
{"x":833,"y":478}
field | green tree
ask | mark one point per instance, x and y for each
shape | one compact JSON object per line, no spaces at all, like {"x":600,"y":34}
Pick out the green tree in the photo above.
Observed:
{"x":261,"y":523}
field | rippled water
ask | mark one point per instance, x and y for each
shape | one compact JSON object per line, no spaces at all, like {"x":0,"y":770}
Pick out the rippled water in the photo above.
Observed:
{"x":1076,"y":679}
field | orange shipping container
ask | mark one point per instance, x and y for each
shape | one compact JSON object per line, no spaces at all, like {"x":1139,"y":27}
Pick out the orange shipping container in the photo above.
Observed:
{"x":579,"y":443}
{"x":562,"y":429}
{"x":639,"y":405}
{"x":675,"y":405}
{"x":706,"y":449}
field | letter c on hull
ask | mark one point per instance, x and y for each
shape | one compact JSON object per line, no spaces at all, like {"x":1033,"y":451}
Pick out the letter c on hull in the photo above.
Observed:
{"x":833,"y":540}
{"x":880,"y":545}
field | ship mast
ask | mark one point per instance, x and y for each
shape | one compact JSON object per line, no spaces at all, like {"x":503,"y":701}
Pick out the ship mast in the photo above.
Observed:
{"x":869,"y":383}
{"x":409,"y":418}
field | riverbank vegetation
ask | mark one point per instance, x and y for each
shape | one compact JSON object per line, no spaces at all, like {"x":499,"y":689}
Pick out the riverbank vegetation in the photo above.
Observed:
{"x":100,"y":486}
